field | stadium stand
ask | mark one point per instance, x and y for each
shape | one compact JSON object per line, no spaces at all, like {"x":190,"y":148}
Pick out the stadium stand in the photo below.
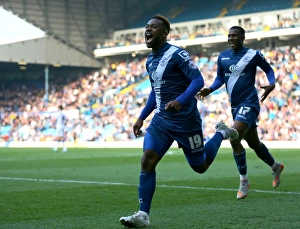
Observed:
{"x":252,"y":22}
{"x":193,"y":10}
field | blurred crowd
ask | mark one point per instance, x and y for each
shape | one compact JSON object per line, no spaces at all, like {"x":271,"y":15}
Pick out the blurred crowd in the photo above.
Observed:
{"x":103,"y":105}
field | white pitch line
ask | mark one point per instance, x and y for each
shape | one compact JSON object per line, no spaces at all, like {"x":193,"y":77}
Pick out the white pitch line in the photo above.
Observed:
{"x":124,"y":184}
{"x":62,"y":181}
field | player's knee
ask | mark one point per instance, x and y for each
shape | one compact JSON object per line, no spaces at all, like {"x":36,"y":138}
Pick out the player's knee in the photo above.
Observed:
{"x":255,"y":145}
{"x":149,"y":161}
{"x":200,"y":168}
{"x":236,"y":145}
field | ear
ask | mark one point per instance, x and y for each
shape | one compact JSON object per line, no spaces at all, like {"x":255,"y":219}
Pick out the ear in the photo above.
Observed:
{"x":165,"y":34}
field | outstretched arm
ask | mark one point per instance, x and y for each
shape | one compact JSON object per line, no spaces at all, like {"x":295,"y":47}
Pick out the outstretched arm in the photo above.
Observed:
{"x":268,"y":88}
{"x":149,"y":107}
{"x":196,"y":84}
{"x":219,"y":81}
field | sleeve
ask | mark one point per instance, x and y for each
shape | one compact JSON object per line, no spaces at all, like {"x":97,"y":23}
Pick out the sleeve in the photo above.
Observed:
{"x":219,"y":80}
{"x":149,"y":107}
{"x":266,"y":67}
{"x":186,"y":65}
{"x":188,"y":68}
{"x":196,"y":84}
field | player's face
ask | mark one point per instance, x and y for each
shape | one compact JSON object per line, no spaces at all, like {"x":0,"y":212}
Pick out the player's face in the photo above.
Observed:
{"x":155,"y":34}
{"x":235,"y":39}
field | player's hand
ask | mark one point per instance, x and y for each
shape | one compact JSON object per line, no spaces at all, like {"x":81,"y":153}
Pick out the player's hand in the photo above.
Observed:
{"x":173,"y":106}
{"x":203,"y":93}
{"x":268,"y":89}
{"x":137,"y":127}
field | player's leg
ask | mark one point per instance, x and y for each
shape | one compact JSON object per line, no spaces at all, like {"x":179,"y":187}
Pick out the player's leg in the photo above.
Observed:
{"x":244,"y":118}
{"x":146,"y":189}
{"x":64,"y":141}
{"x":264,"y":154}
{"x":154,"y":149}
{"x":60,"y":134}
{"x":239,"y":154}
{"x":56,"y":139}
{"x":200,"y":156}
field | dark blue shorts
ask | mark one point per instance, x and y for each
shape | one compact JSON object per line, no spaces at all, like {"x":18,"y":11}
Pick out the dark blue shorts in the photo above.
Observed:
{"x":245,"y":114}
{"x":162,"y":132}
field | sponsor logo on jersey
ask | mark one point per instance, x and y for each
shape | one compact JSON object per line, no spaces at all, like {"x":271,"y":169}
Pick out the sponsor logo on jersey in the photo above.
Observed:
{"x":232,"y":68}
{"x":192,"y":64}
{"x":154,"y":76}
{"x":225,"y":58}
{"x":163,"y":61}
{"x":156,"y":80}
{"x":184,"y":55}
{"x":234,"y":71}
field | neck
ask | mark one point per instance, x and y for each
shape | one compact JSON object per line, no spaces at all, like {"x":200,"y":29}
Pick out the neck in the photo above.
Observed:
{"x":238,"y":49}
{"x":158,"y":47}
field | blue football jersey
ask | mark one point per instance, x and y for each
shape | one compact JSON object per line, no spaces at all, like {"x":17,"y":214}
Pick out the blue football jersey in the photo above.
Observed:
{"x":171,"y":70}
{"x":239,"y":71}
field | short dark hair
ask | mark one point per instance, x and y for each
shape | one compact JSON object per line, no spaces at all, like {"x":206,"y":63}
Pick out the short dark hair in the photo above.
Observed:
{"x":165,"y":20}
{"x":60,"y":107}
{"x":242,"y":31}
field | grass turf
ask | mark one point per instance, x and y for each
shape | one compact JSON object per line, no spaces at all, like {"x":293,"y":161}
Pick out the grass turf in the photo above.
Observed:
{"x":93,"y":188}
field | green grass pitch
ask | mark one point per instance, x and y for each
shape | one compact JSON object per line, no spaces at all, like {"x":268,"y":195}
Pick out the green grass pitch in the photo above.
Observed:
{"x":93,"y":188}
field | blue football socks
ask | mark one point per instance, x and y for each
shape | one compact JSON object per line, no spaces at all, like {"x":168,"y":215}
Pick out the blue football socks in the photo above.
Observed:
{"x":265,"y":155}
{"x":240,"y":160}
{"x":212,"y":146}
{"x":146,"y":190}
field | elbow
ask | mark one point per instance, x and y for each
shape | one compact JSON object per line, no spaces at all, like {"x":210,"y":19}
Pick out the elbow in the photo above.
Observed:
{"x":201,"y":83}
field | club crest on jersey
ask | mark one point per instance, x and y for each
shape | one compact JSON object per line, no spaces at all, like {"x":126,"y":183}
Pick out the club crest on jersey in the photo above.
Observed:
{"x":184,"y":55}
{"x":246,"y":58}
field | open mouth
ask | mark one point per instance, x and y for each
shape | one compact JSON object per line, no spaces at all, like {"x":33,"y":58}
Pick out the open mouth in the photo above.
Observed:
{"x":148,"y":37}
